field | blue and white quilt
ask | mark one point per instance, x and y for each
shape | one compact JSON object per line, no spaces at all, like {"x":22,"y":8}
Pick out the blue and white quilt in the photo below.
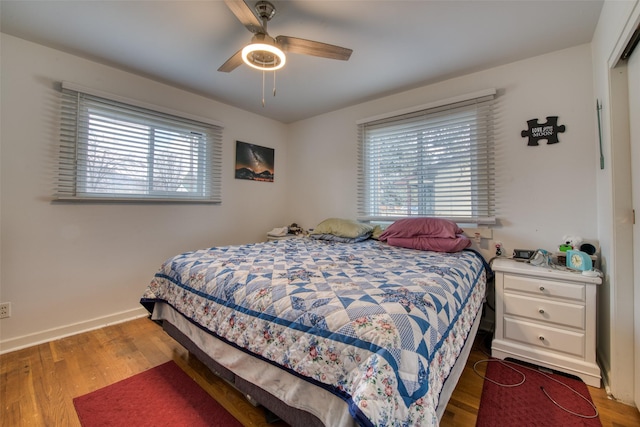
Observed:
{"x":377,"y":325}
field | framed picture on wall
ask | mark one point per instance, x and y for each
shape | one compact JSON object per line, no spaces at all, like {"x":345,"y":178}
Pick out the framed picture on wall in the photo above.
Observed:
{"x":254,"y":162}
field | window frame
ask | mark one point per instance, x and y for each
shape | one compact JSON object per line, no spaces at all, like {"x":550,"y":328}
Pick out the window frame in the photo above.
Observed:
{"x":146,"y":130}
{"x":378,"y":136}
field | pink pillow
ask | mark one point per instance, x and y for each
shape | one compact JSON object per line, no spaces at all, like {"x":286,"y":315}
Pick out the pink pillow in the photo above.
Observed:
{"x":431,"y":243}
{"x":429,"y":227}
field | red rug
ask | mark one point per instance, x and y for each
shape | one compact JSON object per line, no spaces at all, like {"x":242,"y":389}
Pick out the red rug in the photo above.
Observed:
{"x":162,"y":396}
{"x":527,"y":404}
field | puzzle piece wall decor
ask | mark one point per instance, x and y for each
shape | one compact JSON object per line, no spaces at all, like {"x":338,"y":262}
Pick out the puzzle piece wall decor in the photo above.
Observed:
{"x":548,"y":131}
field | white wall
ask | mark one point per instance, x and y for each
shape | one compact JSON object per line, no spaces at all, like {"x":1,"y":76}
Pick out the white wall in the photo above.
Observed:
{"x":615,"y":308}
{"x":544,"y":192}
{"x":68,"y":267}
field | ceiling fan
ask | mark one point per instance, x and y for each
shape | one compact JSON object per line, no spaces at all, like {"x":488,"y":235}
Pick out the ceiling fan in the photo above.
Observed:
{"x":267,"y":53}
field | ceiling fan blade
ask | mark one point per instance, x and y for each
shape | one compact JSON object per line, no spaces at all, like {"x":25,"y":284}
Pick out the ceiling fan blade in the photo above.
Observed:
{"x":245,"y":15}
{"x":309,"y":47}
{"x":232,"y":63}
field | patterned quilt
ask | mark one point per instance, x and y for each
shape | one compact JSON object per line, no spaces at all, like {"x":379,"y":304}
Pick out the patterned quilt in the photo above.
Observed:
{"x":377,"y":325}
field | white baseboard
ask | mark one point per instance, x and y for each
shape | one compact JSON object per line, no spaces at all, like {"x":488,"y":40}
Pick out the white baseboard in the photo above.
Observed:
{"x":606,"y":374}
{"x":29,"y":340}
{"x":605,"y":371}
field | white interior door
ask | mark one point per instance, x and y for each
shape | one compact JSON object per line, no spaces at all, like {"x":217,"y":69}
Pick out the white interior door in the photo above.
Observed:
{"x":633,"y":76}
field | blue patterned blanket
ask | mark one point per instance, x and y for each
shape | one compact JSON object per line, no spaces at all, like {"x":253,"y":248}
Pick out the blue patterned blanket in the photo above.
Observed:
{"x":377,"y":325}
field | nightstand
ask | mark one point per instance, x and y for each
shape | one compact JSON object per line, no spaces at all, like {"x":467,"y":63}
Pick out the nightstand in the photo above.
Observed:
{"x":285,"y":237}
{"x":547,"y":317}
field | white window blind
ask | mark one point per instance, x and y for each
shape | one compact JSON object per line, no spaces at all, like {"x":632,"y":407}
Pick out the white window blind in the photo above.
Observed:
{"x":436,"y":161}
{"x":112,"y":150}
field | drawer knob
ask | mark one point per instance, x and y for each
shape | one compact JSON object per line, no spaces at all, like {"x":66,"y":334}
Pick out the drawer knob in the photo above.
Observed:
{"x":541,"y":311}
{"x":542,"y":288}
{"x":541,"y":338}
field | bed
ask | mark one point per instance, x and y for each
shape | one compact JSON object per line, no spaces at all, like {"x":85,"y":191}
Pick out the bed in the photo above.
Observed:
{"x":327,"y":333}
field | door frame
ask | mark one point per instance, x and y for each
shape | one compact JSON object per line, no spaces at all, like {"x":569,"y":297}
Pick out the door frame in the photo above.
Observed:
{"x":625,"y":292}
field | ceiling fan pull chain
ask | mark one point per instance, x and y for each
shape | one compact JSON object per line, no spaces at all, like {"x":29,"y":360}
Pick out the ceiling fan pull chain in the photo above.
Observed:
{"x":262,"y":88}
{"x":274,"y":83}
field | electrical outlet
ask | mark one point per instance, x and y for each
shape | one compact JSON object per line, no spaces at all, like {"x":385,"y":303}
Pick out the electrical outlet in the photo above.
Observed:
{"x":478,"y":232}
{"x":5,"y":310}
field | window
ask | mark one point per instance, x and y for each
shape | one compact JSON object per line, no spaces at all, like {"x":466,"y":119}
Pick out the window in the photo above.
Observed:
{"x":432,"y":161}
{"x":112,"y":150}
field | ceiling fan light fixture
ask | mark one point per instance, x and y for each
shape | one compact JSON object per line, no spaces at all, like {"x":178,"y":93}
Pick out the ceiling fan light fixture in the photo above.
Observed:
{"x":262,"y":56}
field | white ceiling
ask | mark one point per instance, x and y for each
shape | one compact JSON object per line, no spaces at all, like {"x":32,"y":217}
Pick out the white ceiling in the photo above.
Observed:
{"x":397,"y":45}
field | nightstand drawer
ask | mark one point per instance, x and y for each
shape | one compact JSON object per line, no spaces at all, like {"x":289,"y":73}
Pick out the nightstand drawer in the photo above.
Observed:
{"x":554,"y":311}
{"x":545,"y":337}
{"x":547,"y":288}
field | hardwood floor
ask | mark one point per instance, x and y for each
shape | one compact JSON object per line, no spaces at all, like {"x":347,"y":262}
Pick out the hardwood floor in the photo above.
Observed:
{"x":38,"y":384}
